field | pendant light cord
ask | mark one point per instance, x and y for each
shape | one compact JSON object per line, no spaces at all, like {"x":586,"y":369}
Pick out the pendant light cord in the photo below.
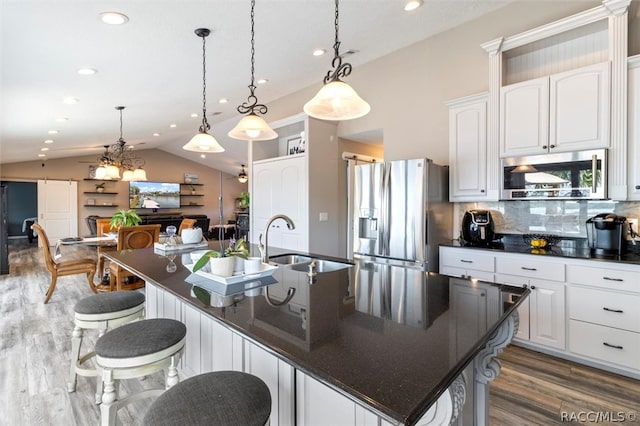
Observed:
{"x":339,"y":70}
{"x":252,"y":106}
{"x":205,"y":124}
{"x":121,"y":125}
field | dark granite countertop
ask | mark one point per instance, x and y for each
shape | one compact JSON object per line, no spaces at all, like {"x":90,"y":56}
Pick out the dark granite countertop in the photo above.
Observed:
{"x":575,"y":248}
{"x":392,"y":346}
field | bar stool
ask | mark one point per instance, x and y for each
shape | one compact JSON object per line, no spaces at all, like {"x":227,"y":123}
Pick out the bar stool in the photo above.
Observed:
{"x":135,"y":350}
{"x":100,"y":312}
{"x":225,"y":398}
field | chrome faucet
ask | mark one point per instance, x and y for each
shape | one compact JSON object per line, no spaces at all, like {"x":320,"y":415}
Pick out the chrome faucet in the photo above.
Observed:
{"x":264,"y":248}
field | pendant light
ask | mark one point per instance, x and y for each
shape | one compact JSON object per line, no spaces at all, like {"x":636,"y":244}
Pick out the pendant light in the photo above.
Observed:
{"x":242,"y":177}
{"x":337,"y":100}
{"x":203,"y":141}
{"x":252,"y":126}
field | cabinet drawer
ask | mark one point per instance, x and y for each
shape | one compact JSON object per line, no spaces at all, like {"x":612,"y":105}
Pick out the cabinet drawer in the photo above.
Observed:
{"x":605,"y":308}
{"x":605,"y":344}
{"x":468,"y":260}
{"x":528,"y":266}
{"x":604,"y":277}
{"x":467,"y":273}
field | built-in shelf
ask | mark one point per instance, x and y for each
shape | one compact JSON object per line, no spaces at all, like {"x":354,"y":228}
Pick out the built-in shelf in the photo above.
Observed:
{"x":191,"y":205}
{"x":191,"y":184}
{"x":101,"y":205}
{"x":100,"y":193}
{"x":192,"y":195}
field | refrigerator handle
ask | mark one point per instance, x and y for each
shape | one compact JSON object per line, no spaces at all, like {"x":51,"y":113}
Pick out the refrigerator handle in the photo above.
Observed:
{"x":383,"y":234}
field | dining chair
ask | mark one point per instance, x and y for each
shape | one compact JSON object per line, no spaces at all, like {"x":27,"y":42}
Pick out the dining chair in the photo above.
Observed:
{"x":185,"y":224}
{"x":131,"y":237}
{"x":103,"y":226}
{"x":65,"y":267}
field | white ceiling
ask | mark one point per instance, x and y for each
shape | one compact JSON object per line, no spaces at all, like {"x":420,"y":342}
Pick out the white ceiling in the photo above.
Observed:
{"x":153,"y":64}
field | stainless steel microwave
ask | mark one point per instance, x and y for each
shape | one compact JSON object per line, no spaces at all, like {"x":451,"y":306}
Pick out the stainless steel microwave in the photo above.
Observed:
{"x":579,"y":175}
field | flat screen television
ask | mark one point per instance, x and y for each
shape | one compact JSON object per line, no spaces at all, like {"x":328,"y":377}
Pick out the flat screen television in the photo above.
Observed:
{"x":154,"y":195}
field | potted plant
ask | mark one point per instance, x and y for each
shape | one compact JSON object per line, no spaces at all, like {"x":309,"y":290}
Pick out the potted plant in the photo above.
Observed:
{"x":244,"y":199}
{"x":100,"y":187}
{"x":223,"y":263}
{"x":124,"y":218}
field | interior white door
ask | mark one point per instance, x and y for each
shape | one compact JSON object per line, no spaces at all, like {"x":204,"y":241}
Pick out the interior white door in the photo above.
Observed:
{"x":58,"y":208}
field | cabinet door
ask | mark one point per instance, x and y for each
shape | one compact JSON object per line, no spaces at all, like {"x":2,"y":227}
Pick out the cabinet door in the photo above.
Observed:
{"x":524,"y":118}
{"x":470,"y":310}
{"x":579,"y":109}
{"x":634,"y":130}
{"x":278,"y":376}
{"x":468,"y":150}
{"x":547,"y":313}
{"x":318,"y":404}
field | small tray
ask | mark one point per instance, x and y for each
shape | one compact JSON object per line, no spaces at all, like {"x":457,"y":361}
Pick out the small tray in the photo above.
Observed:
{"x":265,"y":271}
{"x":176,"y":247}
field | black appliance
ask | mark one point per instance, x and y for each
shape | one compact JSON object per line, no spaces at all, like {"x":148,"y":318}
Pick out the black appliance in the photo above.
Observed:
{"x":606,"y":234}
{"x":477,"y":227}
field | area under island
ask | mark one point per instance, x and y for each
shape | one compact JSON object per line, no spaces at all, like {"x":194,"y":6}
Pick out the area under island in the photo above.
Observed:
{"x":344,"y":347}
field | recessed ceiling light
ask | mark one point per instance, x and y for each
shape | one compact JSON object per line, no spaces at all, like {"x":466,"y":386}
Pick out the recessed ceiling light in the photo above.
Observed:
{"x":44,"y":149}
{"x":203,"y":156}
{"x":70,"y":100}
{"x":173,"y":126}
{"x":53,"y":132}
{"x":87,"y":71}
{"x":42,"y":155}
{"x":319,"y":52}
{"x":49,"y":141}
{"x":156,"y":134}
{"x":412,"y":5}
{"x":263,"y":81}
{"x":223,"y":101}
{"x":194,"y":115}
{"x":114,"y":18}
{"x":61,"y":119}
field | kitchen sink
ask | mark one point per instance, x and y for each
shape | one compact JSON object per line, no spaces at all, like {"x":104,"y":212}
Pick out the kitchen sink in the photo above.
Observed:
{"x":299,"y":262}
{"x":322,"y":265}
{"x":289,"y":259}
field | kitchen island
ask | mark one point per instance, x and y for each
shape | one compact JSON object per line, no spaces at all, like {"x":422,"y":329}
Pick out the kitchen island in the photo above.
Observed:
{"x":337,"y":351}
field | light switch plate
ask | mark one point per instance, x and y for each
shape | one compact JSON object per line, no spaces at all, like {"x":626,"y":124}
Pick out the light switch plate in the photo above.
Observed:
{"x":324,"y":216}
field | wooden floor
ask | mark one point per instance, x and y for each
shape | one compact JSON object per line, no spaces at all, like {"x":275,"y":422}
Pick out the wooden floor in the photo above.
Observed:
{"x":533,"y":389}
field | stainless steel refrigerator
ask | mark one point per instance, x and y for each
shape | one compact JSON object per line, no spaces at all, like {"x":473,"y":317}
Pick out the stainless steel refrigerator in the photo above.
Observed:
{"x":401,"y":211}
{"x":399,"y":214}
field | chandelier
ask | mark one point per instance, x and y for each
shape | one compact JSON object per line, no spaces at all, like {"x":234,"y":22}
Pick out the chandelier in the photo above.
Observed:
{"x":336,"y":100}
{"x":242,"y":177}
{"x":118,"y":157}
{"x":252,"y":126}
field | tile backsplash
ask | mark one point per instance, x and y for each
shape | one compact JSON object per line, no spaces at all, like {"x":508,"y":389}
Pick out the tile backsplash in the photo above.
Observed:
{"x":563,"y":218}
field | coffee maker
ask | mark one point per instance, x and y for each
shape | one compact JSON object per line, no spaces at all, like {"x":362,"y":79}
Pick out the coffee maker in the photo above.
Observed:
{"x":606,"y":234}
{"x":477,"y":227}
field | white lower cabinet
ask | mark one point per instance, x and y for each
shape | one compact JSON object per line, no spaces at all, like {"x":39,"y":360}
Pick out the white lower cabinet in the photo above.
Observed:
{"x":604,"y":320}
{"x":465,"y":263}
{"x":318,"y":404}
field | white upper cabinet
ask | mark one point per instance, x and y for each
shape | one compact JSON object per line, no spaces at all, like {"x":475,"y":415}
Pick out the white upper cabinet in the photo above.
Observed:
{"x":634,"y":129}
{"x":568,"y":111}
{"x":468,"y":148}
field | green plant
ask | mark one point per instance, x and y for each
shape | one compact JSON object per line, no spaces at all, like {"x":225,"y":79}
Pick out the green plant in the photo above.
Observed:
{"x":244,"y":199}
{"x":237,"y":249}
{"x":124,"y":218}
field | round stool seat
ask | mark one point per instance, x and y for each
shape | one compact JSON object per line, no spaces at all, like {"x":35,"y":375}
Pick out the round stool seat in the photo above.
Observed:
{"x":141,"y":338}
{"x":219,"y":398}
{"x":103,"y":303}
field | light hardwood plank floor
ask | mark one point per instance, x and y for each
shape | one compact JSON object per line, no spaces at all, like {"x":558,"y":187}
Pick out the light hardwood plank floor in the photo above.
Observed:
{"x":533,"y":389}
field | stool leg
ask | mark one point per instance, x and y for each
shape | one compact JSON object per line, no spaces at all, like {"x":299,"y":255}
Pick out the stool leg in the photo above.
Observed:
{"x":76,"y":342}
{"x":98,"y":395}
{"x":172,"y":373}
{"x":108,"y":408}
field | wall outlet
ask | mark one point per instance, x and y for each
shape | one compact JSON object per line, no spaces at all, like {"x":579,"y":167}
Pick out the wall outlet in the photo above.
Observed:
{"x":323,"y":217}
{"x":633,"y":228}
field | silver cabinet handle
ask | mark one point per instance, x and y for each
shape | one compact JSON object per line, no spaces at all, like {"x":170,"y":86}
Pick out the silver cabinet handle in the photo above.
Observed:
{"x":594,"y":173}
{"x":608,"y":345}
{"x":617,"y":311}
{"x":613,"y":279}
{"x":466,"y":261}
{"x":528,"y":269}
